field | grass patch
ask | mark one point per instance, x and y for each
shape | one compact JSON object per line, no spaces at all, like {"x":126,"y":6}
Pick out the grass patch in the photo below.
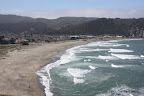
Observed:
{"x":2,"y":47}
{"x":5,"y":48}
{"x":5,"y":95}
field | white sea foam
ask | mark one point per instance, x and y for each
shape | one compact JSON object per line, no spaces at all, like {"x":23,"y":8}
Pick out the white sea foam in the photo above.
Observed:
{"x":116,"y":45}
{"x":131,"y":39}
{"x":107,"y":60}
{"x":119,"y":50}
{"x":117,"y":66}
{"x":103,"y":45}
{"x":68,"y":56}
{"x":85,"y":60}
{"x":45,"y":81}
{"x":107,"y":57}
{"x":113,"y":41}
{"x":45,"y":76}
{"x":92,"y":50}
{"x":44,"y":72}
{"x":92,"y":67}
{"x":86,"y":50}
{"x":101,"y":49}
{"x":112,"y":45}
{"x":89,"y":59}
{"x":127,"y":46}
{"x":76,"y":80}
{"x":123,"y":90}
{"x":142,"y":56}
{"x":94,"y":44}
{"x":125,"y":56}
{"x":75,"y":72}
{"x":78,"y":74}
{"x":106,"y":44}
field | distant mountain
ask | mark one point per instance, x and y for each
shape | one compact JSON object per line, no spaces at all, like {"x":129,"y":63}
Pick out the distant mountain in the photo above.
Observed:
{"x":104,"y":26}
{"x":65,"y":21}
{"x":51,"y":23}
{"x":70,"y":25}
{"x":14,"y":19}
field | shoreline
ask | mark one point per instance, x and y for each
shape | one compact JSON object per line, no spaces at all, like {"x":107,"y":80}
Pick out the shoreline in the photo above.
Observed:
{"x":44,"y":76}
{"x":18,"y":69}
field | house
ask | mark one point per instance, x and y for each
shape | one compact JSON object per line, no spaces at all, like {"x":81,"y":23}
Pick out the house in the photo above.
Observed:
{"x":20,"y":40}
{"x":119,"y":36}
{"x":7,"y":39}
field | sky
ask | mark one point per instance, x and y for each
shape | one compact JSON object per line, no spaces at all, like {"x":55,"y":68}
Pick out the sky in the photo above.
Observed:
{"x":52,"y":9}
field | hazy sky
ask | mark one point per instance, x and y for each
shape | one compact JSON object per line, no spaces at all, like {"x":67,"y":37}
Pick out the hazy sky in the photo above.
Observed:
{"x":78,"y":8}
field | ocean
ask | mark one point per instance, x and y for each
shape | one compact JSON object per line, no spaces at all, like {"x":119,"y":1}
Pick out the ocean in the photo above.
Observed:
{"x":105,"y":68}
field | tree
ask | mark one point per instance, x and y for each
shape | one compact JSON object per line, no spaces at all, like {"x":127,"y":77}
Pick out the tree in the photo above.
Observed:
{"x":12,"y":41}
{"x":1,"y":39}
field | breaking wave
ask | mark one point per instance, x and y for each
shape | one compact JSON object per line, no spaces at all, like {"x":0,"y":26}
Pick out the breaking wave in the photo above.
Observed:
{"x":123,"y":90}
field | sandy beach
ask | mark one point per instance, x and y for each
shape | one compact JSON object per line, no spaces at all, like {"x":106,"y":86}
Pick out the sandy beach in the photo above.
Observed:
{"x":17,"y":68}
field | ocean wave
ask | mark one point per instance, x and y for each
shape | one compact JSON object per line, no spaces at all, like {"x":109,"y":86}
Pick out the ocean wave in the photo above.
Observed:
{"x":94,"y":44}
{"x":117,"y":45}
{"x":119,"y":50}
{"x":78,"y":74}
{"x":44,"y":73}
{"x":107,"y":57}
{"x":45,"y":80}
{"x":117,"y":66}
{"x":113,"y":45}
{"x":142,"y":56}
{"x":125,"y":56}
{"x":75,"y":72}
{"x":87,"y":60}
{"x":123,"y":90}
{"x":92,"y":50}
{"x":68,"y":56}
{"x":76,"y":80}
{"x":92,"y":67}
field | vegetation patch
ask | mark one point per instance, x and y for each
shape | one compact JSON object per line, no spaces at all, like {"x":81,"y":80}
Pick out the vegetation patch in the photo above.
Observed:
{"x":10,"y":47}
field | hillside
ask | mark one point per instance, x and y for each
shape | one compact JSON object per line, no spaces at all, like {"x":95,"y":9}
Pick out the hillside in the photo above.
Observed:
{"x":103,"y":26}
{"x":14,"y":19}
{"x":71,"y":26}
{"x":51,"y":23}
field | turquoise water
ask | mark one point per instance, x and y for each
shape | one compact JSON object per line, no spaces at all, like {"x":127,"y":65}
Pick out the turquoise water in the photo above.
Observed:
{"x":106,"y":68}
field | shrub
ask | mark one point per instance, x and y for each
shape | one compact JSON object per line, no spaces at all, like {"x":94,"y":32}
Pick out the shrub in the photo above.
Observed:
{"x":25,"y":43}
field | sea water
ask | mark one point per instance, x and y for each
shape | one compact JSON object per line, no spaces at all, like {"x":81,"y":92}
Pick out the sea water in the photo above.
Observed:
{"x":106,"y":68}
